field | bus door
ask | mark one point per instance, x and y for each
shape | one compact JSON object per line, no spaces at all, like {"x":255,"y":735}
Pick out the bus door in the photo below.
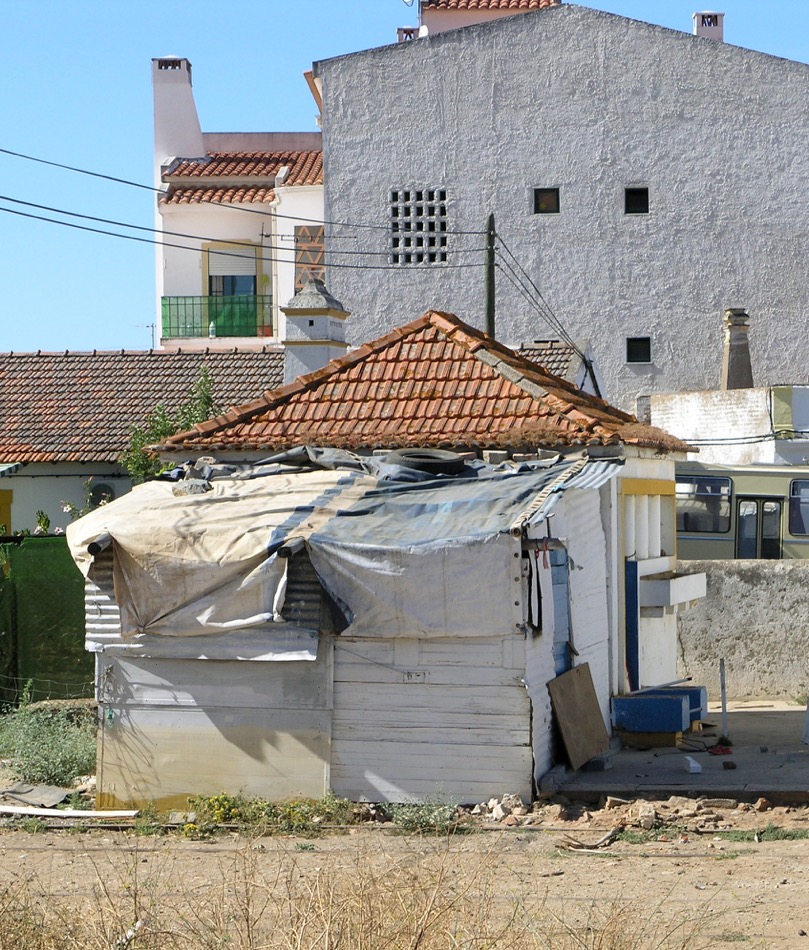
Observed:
{"x":758,"y":527}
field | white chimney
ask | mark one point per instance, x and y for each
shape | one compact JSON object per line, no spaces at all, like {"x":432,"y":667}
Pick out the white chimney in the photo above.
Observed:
{"x":407,"y":33}
{"x":315,"y":330}
{"x":710,"y":25}
{"x":177,"y":132}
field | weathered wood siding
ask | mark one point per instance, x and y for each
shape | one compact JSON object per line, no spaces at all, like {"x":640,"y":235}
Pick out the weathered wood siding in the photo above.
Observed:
{"x":587,"y":579}
{"x":173,"y":728}
{"x":420,"y":718}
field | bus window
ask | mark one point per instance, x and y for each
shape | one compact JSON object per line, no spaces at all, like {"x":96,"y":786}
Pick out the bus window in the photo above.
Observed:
{"x":799,"y":507}
{"x":703,"y":503}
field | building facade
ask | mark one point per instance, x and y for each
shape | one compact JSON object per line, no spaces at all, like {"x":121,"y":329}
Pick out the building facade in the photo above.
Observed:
{"x":239,"y":217}
{"x":642,"y":179}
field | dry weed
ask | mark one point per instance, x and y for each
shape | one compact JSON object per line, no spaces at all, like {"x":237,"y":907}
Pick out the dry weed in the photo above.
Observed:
{"x":428,"y":895}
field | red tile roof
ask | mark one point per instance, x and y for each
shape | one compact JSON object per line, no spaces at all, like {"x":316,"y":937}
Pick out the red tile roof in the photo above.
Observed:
{"x":79,"y":407}
{"x":235,"y":195}
{"x":434,"y":382}
{"x":239,"y":177}
{"x":516,"y":5}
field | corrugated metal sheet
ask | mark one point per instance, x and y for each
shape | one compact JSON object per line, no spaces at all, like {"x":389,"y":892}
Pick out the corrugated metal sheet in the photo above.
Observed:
{"x":102,"y":615}
{"x":593,"y":475}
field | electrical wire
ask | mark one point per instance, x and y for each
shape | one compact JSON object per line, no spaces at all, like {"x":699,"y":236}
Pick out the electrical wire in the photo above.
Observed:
{"x":508,"y":271}
{"x":551,"y":317}
{"x":161,"y":191}
{"x":200,"y":237}
{"x":196,"y":250}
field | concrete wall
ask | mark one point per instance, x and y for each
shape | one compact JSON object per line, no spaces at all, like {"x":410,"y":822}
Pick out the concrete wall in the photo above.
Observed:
{"x":736,"y":413}
{"x":49,"y":487}
{"x":591,"y":103}
{"x":742,"y":422}
{"x":756,"y":617}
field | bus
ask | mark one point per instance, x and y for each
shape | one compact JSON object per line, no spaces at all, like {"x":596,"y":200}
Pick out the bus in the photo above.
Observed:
{"x":750,"y":511}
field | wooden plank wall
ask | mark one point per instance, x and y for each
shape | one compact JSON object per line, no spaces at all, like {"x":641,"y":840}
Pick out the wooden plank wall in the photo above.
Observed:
{"x":587,"y":579}
{"x":173,"y":728}
{"x":415,"y":719}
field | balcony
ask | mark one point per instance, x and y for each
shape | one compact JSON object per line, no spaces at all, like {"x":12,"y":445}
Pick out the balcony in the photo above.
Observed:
{"x":201,"y":317}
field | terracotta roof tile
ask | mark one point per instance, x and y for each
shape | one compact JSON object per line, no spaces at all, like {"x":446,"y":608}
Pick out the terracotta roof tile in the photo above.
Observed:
{"x":238,"y":177}
{"x":435,"y":381}
{"x":516,"y":5}
{"x":232,"y":195}
{"x":61,"y":407}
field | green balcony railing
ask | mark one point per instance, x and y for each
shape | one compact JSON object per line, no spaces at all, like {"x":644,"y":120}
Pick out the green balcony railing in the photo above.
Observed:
{"x":217,"y":316}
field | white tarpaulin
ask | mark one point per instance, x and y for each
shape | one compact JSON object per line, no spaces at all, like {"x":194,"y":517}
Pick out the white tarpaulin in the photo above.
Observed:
{"x":193,"y":564}
{"x":400,"y":558}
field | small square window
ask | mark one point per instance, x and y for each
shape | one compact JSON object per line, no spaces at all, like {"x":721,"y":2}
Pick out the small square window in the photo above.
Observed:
{"x":639,"y":349}
{"x":546,"y":201}
{"x":636,"y":201}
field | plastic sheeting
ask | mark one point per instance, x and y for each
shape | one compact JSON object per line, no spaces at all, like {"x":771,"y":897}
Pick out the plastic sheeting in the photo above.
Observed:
{"x":425,"y":558}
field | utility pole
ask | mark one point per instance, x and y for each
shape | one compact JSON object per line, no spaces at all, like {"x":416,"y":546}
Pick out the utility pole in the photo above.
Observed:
{"x":488,"y":282}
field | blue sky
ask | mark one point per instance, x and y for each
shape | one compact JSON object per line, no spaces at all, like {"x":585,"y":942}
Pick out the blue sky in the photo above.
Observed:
{"x":76,"y":81}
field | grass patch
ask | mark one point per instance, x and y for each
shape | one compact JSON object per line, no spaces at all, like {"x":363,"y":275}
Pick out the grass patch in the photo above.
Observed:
{"x":635,"y":836}
{"x":770,"y":833}
{"x":431,"y":817}
{"x":302,"y":816}
{"x":52,"y":742}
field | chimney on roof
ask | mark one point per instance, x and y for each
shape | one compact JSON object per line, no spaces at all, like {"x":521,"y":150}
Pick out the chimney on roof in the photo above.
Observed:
{"x":315,"y":330}
{"x":737,"y":372}
{"x":710,"y":25}
{"x":177,"y":132}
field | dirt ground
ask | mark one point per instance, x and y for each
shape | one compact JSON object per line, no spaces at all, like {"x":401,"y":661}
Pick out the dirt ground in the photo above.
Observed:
{"x":724,"y":892}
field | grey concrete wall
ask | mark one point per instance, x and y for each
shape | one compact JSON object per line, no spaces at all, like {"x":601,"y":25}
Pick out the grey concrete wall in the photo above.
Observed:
{"x":756,"y":617}
{"x":591,"y":103}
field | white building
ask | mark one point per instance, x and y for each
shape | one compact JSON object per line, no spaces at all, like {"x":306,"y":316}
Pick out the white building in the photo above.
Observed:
{"x":240,"y":216}
{"x":644,"y":179}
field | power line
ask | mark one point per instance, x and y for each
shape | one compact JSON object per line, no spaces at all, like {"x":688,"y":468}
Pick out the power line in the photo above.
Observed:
{"x":200,"y":237}
{"x":160,"y":191}
{"x":514,"y":278}
{"x":551,"y":316}
{"x":196,"y":250}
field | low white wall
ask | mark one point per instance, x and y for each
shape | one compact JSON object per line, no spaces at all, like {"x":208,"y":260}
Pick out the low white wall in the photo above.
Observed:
{"x":756,"y":617}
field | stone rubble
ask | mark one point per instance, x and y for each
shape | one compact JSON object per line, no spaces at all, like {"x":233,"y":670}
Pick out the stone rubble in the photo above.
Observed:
{"x":675,"y":817}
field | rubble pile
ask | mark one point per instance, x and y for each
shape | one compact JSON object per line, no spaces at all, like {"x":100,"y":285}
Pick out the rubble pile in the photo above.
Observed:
{"x":701,"y":815}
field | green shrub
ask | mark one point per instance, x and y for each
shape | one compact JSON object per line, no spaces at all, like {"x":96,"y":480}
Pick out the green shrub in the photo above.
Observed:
{"x":301,"y":816}
{"x":50,"y":742}
{"x":430,"y":817}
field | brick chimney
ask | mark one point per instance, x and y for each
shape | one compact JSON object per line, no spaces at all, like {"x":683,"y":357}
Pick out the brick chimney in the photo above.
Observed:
{"x":737,"y":373}
{"x":315,"y":330}
{"x":710,"y":25}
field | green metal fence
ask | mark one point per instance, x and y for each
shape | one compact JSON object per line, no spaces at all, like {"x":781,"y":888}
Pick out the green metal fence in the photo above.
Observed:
{"x":42,"y":622}
{"x":217,"y":316}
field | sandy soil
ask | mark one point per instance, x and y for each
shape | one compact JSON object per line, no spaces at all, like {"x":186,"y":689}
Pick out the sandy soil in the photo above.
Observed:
{"x":730,"y":892}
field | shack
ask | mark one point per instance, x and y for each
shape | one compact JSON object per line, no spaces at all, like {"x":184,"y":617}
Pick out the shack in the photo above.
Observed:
{"x":382,"y":625}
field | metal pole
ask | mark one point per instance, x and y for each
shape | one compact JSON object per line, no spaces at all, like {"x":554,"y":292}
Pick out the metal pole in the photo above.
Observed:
{"x":489,"y":275}
{"x":723,"y":687}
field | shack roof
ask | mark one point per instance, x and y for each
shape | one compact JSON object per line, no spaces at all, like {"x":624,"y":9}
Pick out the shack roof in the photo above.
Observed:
{"x":433,"y":382}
